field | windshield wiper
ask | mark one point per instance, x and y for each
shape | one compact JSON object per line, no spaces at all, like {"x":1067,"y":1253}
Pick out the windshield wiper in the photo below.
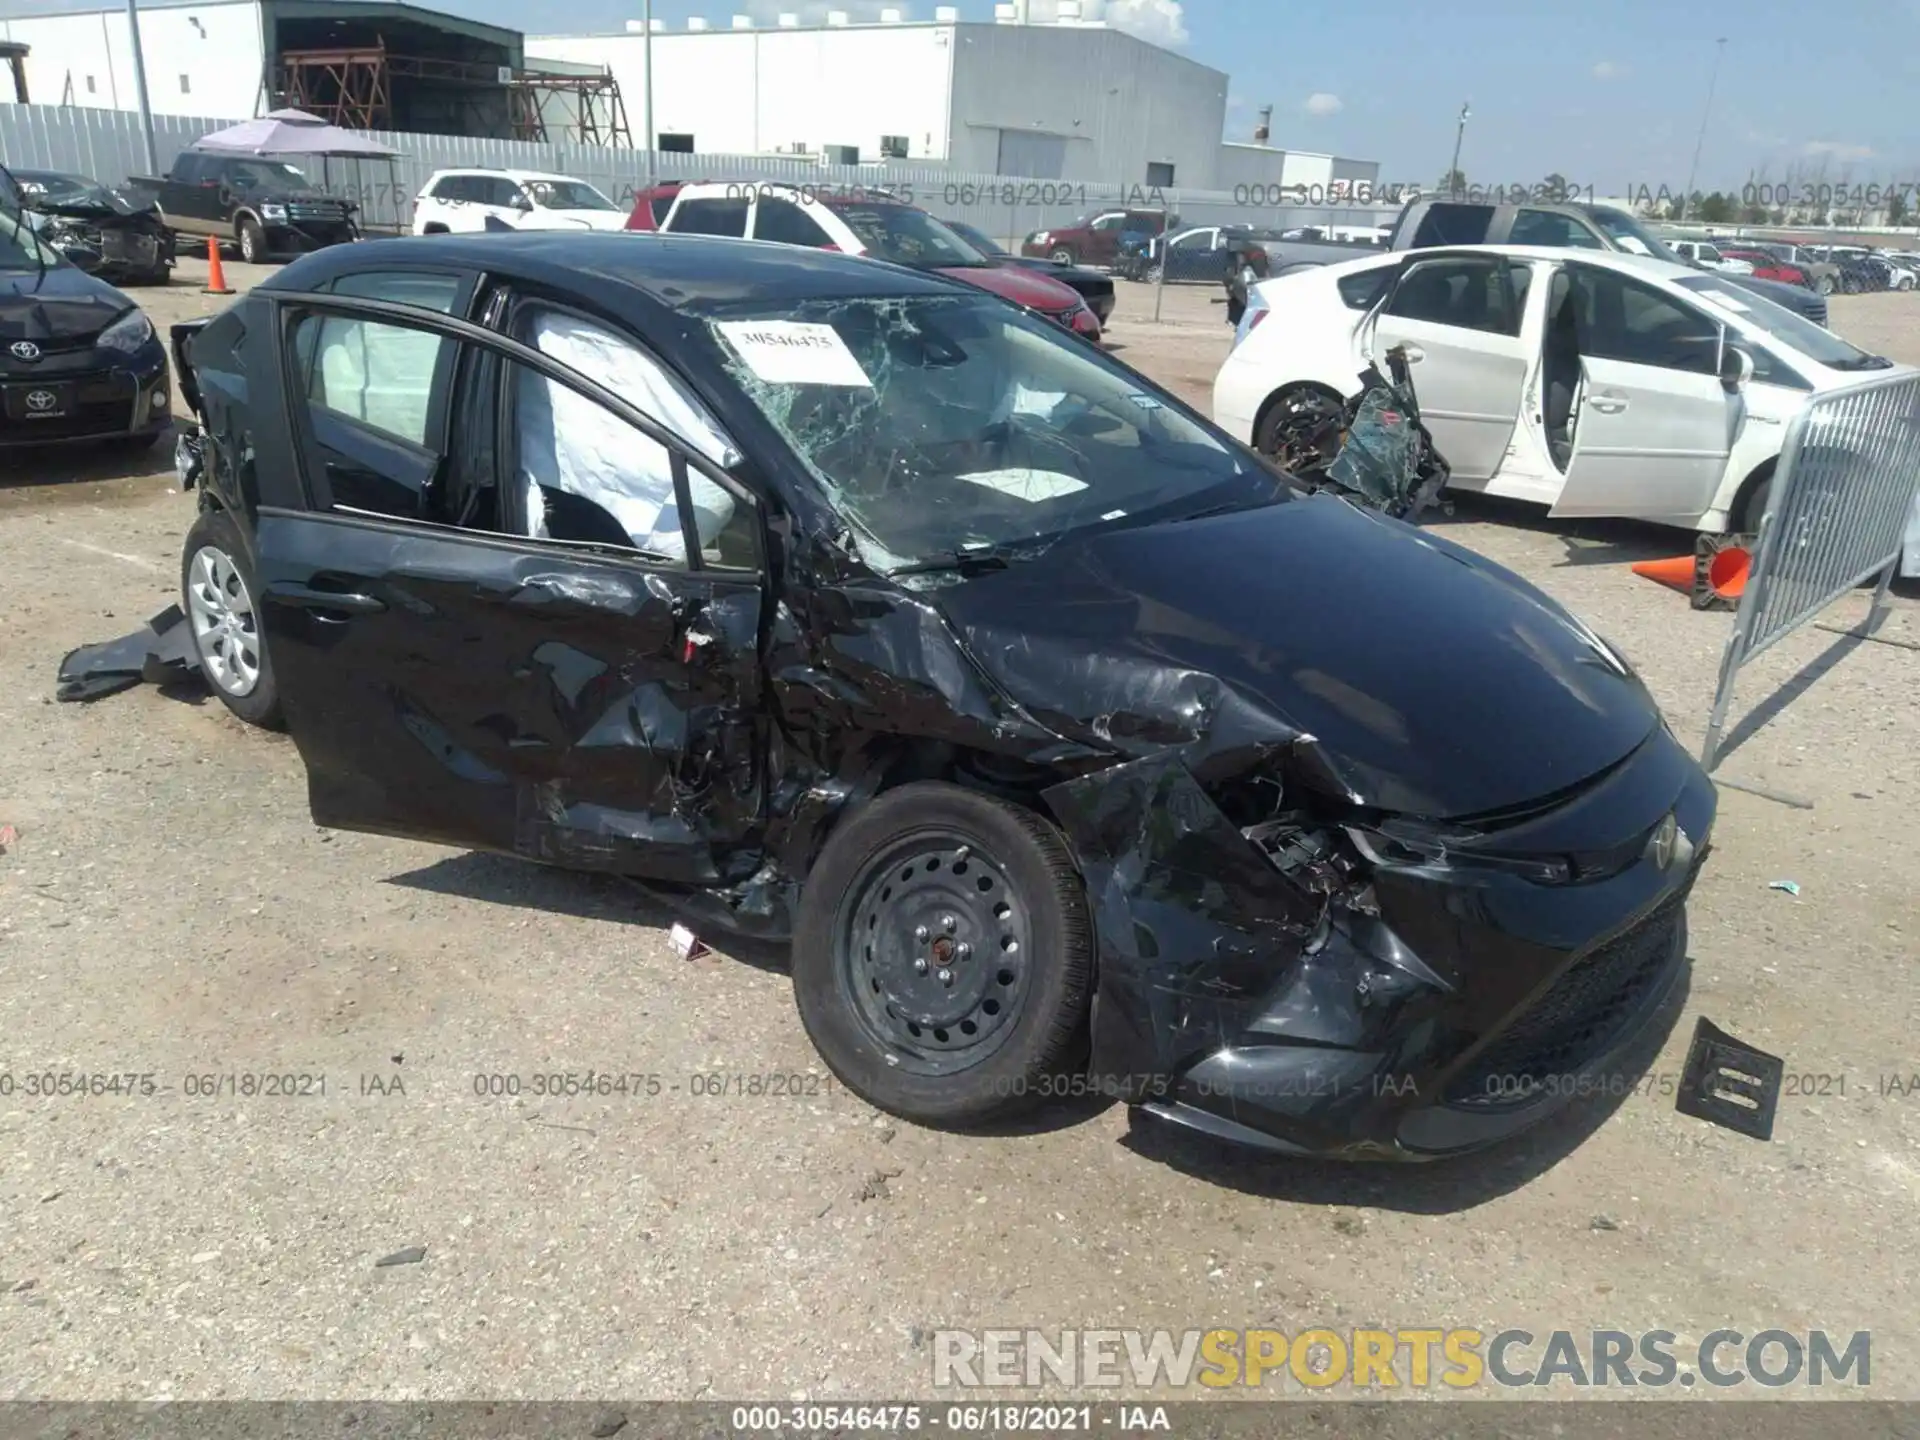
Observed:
{"x":961,"y":562}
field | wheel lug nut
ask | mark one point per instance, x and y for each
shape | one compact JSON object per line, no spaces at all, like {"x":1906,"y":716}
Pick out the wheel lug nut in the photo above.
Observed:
{"x":922,"y":934}
{"x":949,"y":924}
{"x":963,"y":951}
{"x":946,"y":977}
{"x":920,"y":967}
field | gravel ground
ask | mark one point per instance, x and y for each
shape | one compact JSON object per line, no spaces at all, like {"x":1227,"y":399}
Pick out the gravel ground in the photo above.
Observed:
{"x":168,"y":908}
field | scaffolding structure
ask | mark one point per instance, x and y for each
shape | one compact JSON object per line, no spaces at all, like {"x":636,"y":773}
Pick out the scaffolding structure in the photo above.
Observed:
{"x":353,"y":87}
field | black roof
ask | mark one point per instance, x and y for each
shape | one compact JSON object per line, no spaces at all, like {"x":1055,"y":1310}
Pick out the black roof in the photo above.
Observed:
{"x":680,"y":272}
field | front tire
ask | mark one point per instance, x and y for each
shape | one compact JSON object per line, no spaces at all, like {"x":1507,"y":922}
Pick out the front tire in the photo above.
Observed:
{"x":1063,"y":255}
{"x":1824,"y":284}
{"x":253,"y":241}
{"x":943,"y":956}
{"x":220,"y":595}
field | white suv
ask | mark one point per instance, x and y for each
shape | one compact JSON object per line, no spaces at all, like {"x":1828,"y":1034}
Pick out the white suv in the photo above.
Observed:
{"x":1707,"y":254}
{"x":461,"y":201}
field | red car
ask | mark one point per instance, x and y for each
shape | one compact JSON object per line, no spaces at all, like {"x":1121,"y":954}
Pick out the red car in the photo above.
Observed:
{"x":1767,"y":267}
{"x":868,"y":223}
{"x":651,"y":205}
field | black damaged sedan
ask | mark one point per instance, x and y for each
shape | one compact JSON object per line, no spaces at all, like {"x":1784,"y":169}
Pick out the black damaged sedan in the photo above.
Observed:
{"x":79,"y":361}
{"x":1071,"y":748}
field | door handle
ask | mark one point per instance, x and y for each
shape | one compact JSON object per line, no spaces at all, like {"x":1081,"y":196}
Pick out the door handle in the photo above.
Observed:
{"x":343,"y":602}
{"x":1608,"y":404}
{"x":1413,"y":353}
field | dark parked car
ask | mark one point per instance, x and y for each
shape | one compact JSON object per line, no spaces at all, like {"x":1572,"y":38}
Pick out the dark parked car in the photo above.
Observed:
{"x":1426,"y":223}
{"x":104,"y":230}
{"x":78,"y":359}
{"x":903,"y":624}
{"x":266,"y":207}
{"x":1095,"y":288}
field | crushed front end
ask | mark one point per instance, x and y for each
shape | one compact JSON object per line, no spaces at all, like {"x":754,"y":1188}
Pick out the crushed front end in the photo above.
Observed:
{"x":1289,"y":971}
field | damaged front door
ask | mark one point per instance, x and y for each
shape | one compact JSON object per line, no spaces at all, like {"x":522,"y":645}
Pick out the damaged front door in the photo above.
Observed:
{"x":550,"y":647}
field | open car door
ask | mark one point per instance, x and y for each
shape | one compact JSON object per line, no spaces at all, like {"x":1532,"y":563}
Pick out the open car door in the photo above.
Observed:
{"x":479,"y":648}
{"x":1459,"y":316}
{"x":1655,"y":422}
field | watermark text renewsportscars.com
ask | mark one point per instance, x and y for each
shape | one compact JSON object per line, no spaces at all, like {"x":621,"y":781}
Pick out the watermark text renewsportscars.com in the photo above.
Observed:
{"x":1416,"y":1358}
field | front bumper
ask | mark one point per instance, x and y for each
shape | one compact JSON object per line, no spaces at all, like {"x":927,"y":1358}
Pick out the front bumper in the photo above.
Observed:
{"x":89,"y":399}
{"x":1474,"y":1005}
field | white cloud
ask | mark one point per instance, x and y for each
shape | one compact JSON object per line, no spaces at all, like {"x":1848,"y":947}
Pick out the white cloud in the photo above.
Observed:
{"x":1164,"y":22}
{"x":1607,"y":70}
{"x":1837,"y":149}
{"x":1321,"y":103}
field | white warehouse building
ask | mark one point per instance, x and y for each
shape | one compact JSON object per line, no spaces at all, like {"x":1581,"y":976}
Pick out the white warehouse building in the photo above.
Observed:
{"x":1072,"y":100}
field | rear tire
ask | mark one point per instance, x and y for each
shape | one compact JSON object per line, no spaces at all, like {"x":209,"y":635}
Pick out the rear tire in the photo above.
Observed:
{"x":1300,"y":408}
{"x":221,"y":598}
{"x":943,"y":956}
{"x":1751,"y":508}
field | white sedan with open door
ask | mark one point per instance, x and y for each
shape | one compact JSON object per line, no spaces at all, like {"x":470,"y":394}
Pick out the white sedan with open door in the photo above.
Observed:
{"x":1591,"y":382}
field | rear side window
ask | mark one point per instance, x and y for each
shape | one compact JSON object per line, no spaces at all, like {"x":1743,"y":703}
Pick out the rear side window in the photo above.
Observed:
{"x":380,"y":376}
{"x":711,"y":217}
{"x":1451,"y":223}
{"x":786,"y":222}
{"x":1469,"y":294}
{"x":1363,"y":291}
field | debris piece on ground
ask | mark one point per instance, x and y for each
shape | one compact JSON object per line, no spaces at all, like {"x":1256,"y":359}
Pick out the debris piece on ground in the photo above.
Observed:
{"x":1603,"y":1222}
{"x":8,"y":836}
{"x":159,"y":653}
{"x":609,"y":1422}
{"x":412,"y":1255}
{"x":1729,"y":1083}
{"x":875,"y":1187}
{"x":686,"y":944}
{"x":1792,"y":887}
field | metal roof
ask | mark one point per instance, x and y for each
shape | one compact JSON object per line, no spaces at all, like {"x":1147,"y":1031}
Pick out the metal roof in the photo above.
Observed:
{"x":284,"y":9}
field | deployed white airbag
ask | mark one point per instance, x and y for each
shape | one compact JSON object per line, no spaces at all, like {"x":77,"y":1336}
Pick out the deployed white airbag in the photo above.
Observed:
{"x":570,"y":443}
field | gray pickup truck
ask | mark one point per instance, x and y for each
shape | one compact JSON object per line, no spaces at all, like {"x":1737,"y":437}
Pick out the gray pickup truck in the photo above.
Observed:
{"x":261,"y":205}
{"x":1557,"y":224}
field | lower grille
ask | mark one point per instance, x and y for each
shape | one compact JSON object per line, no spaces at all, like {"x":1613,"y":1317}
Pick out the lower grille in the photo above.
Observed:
{"x":1578,"y":1017}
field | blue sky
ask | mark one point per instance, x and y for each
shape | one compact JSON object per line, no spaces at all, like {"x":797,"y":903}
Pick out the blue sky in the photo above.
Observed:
{"x":1607,"y":93}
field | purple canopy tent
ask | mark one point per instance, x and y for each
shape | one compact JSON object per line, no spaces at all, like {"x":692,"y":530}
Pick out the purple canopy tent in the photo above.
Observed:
{"x":284,"y":133}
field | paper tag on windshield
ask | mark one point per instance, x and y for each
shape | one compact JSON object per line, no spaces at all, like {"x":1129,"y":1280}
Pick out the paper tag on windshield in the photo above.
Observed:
{"x":794,"y":352}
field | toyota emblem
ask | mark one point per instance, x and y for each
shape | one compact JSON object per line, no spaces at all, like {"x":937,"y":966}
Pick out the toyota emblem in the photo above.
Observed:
{"x":1670,"y":845}
{"x":41,"y":401}
{"x":25,"y":350}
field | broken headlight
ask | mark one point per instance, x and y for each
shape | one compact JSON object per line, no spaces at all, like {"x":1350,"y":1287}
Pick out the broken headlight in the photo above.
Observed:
{"x":1402,"y":844}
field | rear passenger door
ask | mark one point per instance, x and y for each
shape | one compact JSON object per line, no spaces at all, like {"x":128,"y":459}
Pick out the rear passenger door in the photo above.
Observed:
{"x":564,"y":678}
{"x":1460,"y":319}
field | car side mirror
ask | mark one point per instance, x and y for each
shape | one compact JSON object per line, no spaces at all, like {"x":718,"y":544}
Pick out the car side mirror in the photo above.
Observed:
{"x":1736,"y":369}
{"x":521,"y":202}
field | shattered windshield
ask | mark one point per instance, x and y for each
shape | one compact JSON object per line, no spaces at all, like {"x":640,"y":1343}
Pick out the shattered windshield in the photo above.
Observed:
{"x":908,"y":236}
{"x":957,"y":426}
{"x":568,"y":195}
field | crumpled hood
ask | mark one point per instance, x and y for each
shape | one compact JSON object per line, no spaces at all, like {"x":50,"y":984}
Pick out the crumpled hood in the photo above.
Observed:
{"x":65,"y":303}
{"x":1020,"y":285}
{"x":1437,"y":683}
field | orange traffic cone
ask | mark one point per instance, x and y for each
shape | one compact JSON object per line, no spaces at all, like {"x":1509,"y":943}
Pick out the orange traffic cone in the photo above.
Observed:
{"x":216,"y":277}
{"x":1676,"y":573}
{"x":1721,"y":565}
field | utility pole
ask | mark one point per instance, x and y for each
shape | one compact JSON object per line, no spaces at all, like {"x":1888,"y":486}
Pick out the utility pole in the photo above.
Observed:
{"x":1713,"y":77}
{"x":140,"y":85}
{"x":1460,"y":134}
{"x":646,"y":62}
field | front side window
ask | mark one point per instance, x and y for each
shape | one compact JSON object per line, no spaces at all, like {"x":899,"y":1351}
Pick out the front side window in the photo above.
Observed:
{"x":941,"y":425}
{"x":786,"y":223}
{"x":1624,"y":319}
{"x":568,"y":195}
{"x":1471,"y":294}
{"x":586,"y":474}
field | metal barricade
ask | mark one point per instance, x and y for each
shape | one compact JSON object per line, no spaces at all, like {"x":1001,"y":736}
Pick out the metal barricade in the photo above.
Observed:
{"x":1836,"y":517}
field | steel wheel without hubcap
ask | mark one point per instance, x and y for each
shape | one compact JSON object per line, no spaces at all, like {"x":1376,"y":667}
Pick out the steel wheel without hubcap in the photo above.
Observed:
{"x":225,"y":631}
{"x":932,"y":953}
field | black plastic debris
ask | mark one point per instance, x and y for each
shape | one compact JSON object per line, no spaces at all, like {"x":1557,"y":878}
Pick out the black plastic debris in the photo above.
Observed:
{"x":1729,"y":1083}
{"x":159,"y":653}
